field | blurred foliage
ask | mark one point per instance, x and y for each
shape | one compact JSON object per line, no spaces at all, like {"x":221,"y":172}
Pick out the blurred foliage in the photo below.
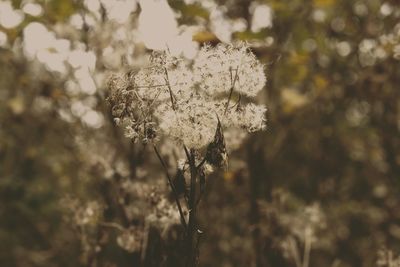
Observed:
{"x":332,"y":139}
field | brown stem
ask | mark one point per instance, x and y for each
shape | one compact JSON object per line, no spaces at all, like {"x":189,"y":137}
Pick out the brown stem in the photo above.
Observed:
{"x":192,"y":227}
{"x":172,"y":187}
{"x":169,"y":89}
{"x":231,"y":90}
{"x":202,"y":163}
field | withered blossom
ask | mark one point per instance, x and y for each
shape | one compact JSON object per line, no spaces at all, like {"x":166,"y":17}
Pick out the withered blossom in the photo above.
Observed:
{"x":177,"y":100}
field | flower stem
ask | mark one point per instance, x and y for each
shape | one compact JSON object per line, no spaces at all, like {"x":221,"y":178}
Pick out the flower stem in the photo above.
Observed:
{"x":232,"y":88}
{"x":192,"y":227}
{"x":174,"y":192}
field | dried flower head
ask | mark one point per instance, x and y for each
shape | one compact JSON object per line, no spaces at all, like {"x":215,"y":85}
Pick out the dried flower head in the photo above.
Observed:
{"x":192,"y":122}
{"x":229,"y":66}
{"x":170,"y":98}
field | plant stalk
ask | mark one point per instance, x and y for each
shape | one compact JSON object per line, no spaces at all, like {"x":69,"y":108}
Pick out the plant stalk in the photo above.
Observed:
{"x":192,"y":226}
{"x":174,"y":192}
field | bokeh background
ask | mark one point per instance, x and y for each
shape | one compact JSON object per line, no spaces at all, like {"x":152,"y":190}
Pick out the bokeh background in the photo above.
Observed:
{"x":323,"y":177}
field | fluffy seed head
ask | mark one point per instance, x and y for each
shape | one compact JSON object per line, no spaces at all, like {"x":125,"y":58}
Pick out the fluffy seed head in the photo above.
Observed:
{"x":229,"y":66}
{"x":183,"y":102}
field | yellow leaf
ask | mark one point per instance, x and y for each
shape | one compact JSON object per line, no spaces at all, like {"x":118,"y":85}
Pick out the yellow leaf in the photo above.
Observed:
{"x":204,"y":37}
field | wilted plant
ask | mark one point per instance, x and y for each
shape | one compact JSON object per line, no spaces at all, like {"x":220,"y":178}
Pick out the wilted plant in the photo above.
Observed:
{"x":192,"y":104}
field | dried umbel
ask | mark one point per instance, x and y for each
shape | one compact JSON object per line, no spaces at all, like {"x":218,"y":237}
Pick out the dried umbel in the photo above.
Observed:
{"x":185,"y":101}
{"x":219,"y":69}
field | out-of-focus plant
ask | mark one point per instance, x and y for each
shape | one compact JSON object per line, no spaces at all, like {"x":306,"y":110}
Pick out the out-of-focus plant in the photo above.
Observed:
{"x":386,"y":258}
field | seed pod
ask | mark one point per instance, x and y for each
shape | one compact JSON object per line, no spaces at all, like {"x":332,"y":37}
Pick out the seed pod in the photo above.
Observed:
{"x":216,"y":151}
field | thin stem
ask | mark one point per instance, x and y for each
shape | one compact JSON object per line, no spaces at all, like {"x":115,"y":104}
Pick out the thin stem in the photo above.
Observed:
{"x":156,"y":85}
{"x":231,"y":90}
{"x":169,"y":89}
{"x":174,"y":192}
{"x":307,"y":249}
{"x":295,"y":253}
{"x":191,"y":230}
{"x":187,"y":153}
{"x":201,"y":163}
{"x":200,"y":233}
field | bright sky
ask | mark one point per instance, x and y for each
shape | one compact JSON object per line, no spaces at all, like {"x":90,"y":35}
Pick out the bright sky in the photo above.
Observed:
{"x":158,"y":29}
{"x":157,"y":24}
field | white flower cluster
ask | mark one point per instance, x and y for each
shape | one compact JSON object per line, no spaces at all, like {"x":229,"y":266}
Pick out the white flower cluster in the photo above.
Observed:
{"x":220,"y":69}
{"x":184,"y":101}
{"x":386,"y":46}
